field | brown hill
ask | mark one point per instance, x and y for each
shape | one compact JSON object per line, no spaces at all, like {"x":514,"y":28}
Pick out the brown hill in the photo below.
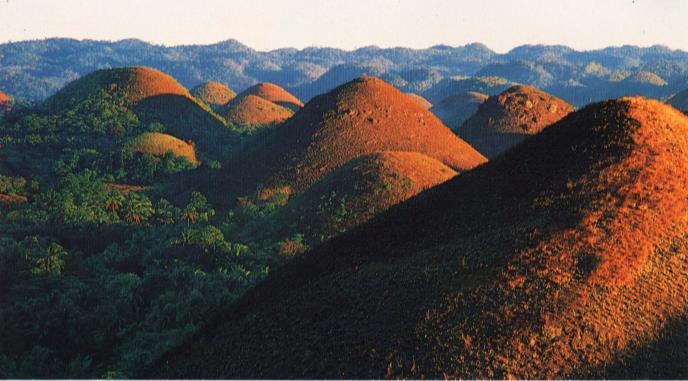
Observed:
{"x":159,"y":144}
{"x":557,"y":260}
{"x":133,"y":83}
{"x":356,"y":192}
{"x":455,"y":109}
{"x":361,"y":117}
{"x":274,"y":94}
{"x":422,"y":102}
{"x":680,"y":100}
{"x":252,"y":111}
{"x":215,"y":94}
{"x":504,"y":120}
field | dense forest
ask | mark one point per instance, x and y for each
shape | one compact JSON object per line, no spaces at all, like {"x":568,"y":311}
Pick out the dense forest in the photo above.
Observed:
{"x":99,"y":276}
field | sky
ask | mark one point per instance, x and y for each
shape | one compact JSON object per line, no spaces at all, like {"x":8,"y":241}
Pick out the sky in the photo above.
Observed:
{"x":350,"y":24}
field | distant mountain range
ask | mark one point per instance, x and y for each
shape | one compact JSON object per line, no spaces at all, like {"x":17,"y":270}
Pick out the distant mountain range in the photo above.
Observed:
{"x":33,"y":70}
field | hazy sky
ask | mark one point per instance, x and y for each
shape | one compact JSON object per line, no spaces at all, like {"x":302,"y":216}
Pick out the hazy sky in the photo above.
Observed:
{"x":269,"y":24}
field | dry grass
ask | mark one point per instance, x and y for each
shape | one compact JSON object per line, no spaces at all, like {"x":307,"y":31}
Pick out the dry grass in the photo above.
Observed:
{"x":159,"y":144}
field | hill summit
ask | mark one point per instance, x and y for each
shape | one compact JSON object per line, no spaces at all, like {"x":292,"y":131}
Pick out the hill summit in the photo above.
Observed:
{"x":555,"y":260}
{"x":213,"y":93}
{"x":135,"y":84}
{"x":361,"y":117}
{"x":506,"y":119}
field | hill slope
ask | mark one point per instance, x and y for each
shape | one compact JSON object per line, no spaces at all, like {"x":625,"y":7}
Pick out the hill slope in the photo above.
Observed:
{"x":358,"y":191}
{"x":552,"y":261}
{"x":213,"y":93}
{"x":506,"y":119}
{"x":253,"y":111}
{"x":455,"y":109}
{"x":361,"y":117}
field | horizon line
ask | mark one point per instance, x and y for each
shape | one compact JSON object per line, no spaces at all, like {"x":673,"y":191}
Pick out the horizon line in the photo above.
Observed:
{"x":371,"y":46}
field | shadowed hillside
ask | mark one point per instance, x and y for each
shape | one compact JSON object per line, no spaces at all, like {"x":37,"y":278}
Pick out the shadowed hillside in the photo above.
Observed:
{"x":356,"y":192}
{"x":504,"y":120}
{"x":549,"y":262}
{"x":455,"y":109}
{"x":679,"y":100}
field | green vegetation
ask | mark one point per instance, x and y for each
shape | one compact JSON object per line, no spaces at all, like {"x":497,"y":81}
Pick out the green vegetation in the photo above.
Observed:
{"x":99,"y":273}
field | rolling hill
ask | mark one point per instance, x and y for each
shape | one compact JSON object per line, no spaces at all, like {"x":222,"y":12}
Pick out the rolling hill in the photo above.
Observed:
{"x":253,"y":112}
{"x":504,"y":120}
{"x":455,"y":109}
{"x":559,"y":259}
{"x":159,"y":144}
{"x":134,"y":84}
{"x":214,"y":94}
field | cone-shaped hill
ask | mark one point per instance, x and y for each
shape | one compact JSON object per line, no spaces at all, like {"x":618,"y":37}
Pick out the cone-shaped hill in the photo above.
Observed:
{"x":252,"y":112}
{"x":422,"y":102}
{"x":455,"y":109}
{"x":273,"y":93}
{"x":159,"y":144}
{"x":361,"y":117}
{"x":680,"y":100}
{"x":213,"y":93}
{"x":358,"y":191}
{"x":552,"y":261}
{"x":132,"y":83}
{"x":504,"y":120}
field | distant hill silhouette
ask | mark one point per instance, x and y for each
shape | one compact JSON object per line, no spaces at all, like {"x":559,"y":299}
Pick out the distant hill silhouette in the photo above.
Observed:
{"x":680,"y":100}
